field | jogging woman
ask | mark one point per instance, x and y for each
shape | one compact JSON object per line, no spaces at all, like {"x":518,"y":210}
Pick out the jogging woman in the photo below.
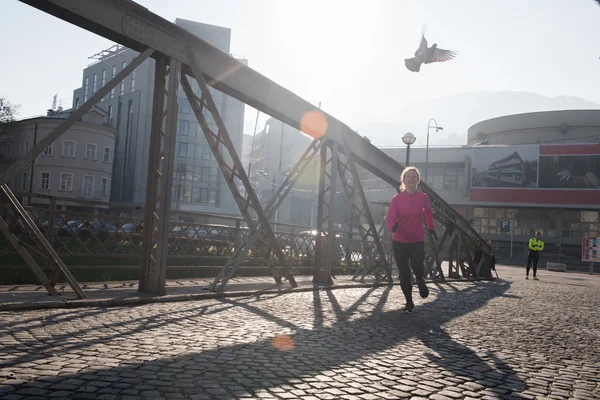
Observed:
{"x":405,"y":220}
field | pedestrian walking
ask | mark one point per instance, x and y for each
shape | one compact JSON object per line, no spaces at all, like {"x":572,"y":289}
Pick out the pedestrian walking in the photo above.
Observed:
{"x":536,"y":245}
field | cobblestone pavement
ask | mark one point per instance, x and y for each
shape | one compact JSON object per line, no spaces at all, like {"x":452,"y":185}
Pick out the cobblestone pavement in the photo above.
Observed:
{"x":501,"y":339}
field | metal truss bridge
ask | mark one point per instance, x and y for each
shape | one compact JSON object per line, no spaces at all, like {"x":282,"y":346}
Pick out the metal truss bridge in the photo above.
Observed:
{"x":181,"y":56}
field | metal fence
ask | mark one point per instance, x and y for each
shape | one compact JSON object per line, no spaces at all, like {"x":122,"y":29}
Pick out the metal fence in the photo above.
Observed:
{"x":107,"y":234}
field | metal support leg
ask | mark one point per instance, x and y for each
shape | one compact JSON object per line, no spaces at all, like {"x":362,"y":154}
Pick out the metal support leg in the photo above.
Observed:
{"x":438,"y":273}
{"x":470,"y":269}
{"x":458,"y":250}
{"x":452,"y":268}
{"x":41,"y":241}
{"x":331,"y":245}
{"x":14,"y":241}
{"x":160,"y":179}
{"x":233,"y":170}
{"x":323,"y":210}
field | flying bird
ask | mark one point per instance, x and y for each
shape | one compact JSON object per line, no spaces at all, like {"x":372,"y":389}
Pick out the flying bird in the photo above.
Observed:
{"x":428,"y":55}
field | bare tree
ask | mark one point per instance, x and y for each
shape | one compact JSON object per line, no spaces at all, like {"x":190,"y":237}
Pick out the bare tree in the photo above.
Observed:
{"x":8,"y":111}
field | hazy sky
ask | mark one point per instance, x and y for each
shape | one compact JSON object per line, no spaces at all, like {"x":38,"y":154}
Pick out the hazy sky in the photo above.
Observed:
{"x":347,"y":54}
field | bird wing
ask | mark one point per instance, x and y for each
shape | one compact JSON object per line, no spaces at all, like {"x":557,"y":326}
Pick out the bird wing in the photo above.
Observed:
{"x":423,"y":46}
{"x":441,"y":55}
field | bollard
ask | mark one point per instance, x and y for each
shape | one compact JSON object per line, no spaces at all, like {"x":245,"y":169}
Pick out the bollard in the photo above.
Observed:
{"x":591,"y":268}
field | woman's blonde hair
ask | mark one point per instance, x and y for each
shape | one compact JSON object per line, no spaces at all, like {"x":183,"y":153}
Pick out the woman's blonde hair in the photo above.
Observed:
{"x":404,"y":173}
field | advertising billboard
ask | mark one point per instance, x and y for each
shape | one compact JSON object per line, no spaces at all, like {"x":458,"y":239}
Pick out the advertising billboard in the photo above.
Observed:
{"x":547,"y":173}
{"x":505,"y":167}
{"x":570,"y":171}
{"x":590,"y":249}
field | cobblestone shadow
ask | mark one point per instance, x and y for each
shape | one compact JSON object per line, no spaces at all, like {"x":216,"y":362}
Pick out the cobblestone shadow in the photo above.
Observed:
{"x":341,"y":343}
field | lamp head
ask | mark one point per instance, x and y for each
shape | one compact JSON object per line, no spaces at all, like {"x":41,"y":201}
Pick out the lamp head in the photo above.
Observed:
{"x":408,"y":138}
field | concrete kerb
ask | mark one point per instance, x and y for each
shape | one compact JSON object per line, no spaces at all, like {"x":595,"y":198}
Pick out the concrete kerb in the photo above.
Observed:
{"x":142,"y":300}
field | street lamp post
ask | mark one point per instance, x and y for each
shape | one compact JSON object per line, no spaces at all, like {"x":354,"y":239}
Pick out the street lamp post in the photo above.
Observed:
{"x":437,"y":128}
{"x":408,"y":139}
{"x":265,"y":173}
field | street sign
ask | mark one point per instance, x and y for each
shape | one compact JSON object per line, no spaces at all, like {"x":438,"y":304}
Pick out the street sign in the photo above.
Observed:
{"x":504,"y":225}
{"x":590,"y":249}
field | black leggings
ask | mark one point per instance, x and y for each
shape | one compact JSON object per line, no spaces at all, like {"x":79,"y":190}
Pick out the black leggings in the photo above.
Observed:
{"x":533,"y":256}
{"x":405,"y":253}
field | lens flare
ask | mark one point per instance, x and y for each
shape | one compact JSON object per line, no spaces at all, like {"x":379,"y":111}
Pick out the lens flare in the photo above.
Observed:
{"x":314,"y":123}
{"x":283,"y":343}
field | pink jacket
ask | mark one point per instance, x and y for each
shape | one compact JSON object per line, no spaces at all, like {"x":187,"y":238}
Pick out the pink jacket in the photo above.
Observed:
{"x":408,"y":211}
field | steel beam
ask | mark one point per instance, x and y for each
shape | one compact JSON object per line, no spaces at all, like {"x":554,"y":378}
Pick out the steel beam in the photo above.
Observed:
{"x":153,"y":269}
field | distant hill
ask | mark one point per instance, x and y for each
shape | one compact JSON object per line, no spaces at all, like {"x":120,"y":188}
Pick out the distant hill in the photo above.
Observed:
{"x":456,"y":113}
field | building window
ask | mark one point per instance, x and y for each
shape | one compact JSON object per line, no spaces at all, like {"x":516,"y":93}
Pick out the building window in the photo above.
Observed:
{"x":87,"y":188}
{"x":181,"y":149}
{"x":185,"y":106}
{"x":104,"y":186}
{"x":86,"y":87}
{"x":185,"y":127}
{"x":206,"y":153}
{"x":114,"y":72}
{"x":25,"y":181}
{"x":133,"y":81}
{"x":106,"y":156}
{"x":13,"y":150}
{"x":66,"y":182}
{"x":68,"y":149}
{"x":205,"y":174}
{"x":103,"y":82}
{"x":122,"y":90}
{"x":94,"y":83}
{"x":45,"y":180}
{"x":109,"y":116}
{"x":47,"y":151}
{"x":77,"y":103}
{"x":90,"y":151}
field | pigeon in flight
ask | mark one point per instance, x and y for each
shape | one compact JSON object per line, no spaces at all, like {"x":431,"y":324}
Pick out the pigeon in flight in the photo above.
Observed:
{"x":427,"y":55}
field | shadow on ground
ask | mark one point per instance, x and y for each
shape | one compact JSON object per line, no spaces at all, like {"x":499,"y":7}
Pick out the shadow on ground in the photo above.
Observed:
{"x":338,"y":350}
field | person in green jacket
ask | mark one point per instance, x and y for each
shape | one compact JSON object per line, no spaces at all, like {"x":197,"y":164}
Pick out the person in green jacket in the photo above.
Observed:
{"x":535,"y":246}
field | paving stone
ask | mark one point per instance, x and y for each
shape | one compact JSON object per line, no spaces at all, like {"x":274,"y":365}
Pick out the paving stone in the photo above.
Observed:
{"x":471,"y":340}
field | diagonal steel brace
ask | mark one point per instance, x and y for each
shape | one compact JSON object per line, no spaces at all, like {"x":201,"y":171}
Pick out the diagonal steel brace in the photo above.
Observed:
{"x":253,"y":235}
{"x":223,"y":138}
{"x":363,"y":211}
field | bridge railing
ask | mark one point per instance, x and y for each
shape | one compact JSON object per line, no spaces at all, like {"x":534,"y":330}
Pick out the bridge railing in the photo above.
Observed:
{"x":101,"y":234}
